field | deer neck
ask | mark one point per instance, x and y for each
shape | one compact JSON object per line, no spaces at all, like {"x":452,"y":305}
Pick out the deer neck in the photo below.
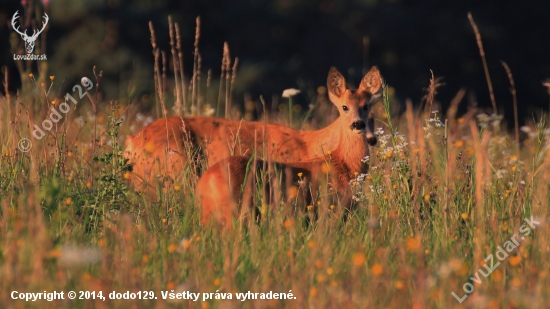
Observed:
{"x":351,"y":149}
{"x":323,"y":140}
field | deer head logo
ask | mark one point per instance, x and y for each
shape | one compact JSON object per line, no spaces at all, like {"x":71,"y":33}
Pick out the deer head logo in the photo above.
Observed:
{"x":29,"y":40}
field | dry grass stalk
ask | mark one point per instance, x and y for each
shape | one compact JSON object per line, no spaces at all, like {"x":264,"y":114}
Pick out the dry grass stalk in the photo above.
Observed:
{"x":515,"y":101}
{"x":177,"y":89}
{"x":156,"y":69}
{"x":208,"y":83}
{"x":220,"y":92}
{"x":429,"y":98}
{"x":182,"y":75}
{"x":233,"y":77}
{"x":199,"y":99}
{"x":227,"y":63}
{"x":485,"y":67}
{"x":196,"y":63}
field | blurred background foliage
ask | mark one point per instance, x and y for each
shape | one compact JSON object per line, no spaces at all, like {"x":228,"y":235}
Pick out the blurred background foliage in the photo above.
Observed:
{"x":293,"y":43}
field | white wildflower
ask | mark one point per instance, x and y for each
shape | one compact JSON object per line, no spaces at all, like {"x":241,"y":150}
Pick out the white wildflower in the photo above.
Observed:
{"x":287,"y":93}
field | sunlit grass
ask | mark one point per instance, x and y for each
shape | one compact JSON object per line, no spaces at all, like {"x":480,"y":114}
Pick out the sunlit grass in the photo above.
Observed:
{"x":438,"y":199}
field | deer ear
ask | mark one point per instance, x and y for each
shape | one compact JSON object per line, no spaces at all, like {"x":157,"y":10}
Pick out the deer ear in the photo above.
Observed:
{"x":336,"y":83}
{"x":372,"y":83}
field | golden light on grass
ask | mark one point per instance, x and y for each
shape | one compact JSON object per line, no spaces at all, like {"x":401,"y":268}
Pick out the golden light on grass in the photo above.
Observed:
{"x":288,"y":223}
{"x":186,"y":243}
{"x":515,"y":260}
{"x":358,"y":259}
{"x":516,"y":282}
{"x":313,"y":292}
{"x":55,"y":253}
{"x":412,"y":244}
{"x":496,"y":275}
{"x":172,"y":248}
{"x":377,"y":269}
{"x":319,"y":264}
{"x":292,"y":192}
{"x":326,"y":168}
{"x":129,"y":241}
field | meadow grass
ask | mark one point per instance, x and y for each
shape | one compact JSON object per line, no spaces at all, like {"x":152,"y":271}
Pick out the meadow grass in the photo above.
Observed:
{"x":440,"y":197}
{"x":443,"y":193}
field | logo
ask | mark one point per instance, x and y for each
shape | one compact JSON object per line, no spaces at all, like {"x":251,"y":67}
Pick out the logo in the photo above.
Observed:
{"x":29,"y":40}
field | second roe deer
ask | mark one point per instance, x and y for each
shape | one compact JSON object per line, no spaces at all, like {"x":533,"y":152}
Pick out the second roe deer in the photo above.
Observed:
{"x":219,"y":189}
{"x":159,"y":148}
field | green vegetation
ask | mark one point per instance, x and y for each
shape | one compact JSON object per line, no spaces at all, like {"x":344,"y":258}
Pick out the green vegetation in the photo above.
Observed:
{"x":436,"y":202}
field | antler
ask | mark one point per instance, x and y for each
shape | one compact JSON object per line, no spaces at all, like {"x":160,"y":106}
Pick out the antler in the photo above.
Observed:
{"x":15,"y":16}
{"x":44,"y":23}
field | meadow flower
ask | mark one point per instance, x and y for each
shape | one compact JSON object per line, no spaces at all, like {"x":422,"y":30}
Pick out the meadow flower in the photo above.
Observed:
{"x":287,"y":93}
{"x":77,"y":256}
{"x":358,"y":259}
{"x":377,"y":269}
{"x":209,"y":111}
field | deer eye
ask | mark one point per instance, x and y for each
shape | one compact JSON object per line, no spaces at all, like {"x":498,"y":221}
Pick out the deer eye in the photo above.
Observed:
{"x":345,"y":108}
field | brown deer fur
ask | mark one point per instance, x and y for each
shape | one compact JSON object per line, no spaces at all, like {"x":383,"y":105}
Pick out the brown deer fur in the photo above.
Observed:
{"x":218,"y":190}
{"x":162,"y":147}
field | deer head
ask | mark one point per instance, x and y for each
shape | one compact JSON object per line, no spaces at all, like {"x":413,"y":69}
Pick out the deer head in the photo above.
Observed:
{"x":354,"y":105}
{"x":29,"y":40}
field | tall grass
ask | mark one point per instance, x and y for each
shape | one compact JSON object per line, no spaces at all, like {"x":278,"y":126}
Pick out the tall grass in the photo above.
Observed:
{"x":440,"y":196}
{"x":433,"y":206}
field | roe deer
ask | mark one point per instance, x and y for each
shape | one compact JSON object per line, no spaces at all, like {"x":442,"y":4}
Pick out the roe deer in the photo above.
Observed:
{"x":218,"y":190}
{"x":161,"y":146}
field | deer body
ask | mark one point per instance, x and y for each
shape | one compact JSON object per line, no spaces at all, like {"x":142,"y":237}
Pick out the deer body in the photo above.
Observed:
{"x":218,"y":190}
{"x":161,"y":148}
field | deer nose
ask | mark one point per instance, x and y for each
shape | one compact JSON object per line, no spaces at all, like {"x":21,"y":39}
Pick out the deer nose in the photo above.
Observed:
{"x":372,"y":140}
{"x":358,"y":125}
